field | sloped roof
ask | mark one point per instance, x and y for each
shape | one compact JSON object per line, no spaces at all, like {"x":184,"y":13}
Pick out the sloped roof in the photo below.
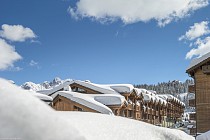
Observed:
{"x":97,"y":87}
{"x":55,"y":88}
{"x":122,"y":88}
{"x":43,"y":97}
{"x":96,"y":102}
{"x":198,"y":62}
{"x":101,"y":88}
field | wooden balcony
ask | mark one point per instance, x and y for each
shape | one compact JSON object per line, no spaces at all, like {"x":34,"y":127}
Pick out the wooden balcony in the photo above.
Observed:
{"x":191,"y":88}
{"x":149,"y":111}
{"x":162,"y":113}
{"x":153,"y":112}
{"x":137,"y":108}
{"x":192,"y":102}
{"x":157,"y":113}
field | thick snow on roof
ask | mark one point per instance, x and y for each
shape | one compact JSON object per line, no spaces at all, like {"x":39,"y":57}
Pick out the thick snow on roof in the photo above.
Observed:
{"x":97,"y":87}
{"x":196,"y":61}
{"x":43,"y":97}
{"x":140,"y":91}
{"x":150,"y":95}
{"x":109,"y":99}
{"x":170,"y":97}
{"x":122,"y":88}
{"x":56,"y":88}
{"x":105,"y":89}
{"x":87,"y":100}
{"x":105,"y":127}
{"x":26,"y":117}
{"x":204,"y":136}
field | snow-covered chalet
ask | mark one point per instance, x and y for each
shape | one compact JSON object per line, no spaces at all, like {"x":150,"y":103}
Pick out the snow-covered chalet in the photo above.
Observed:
{"x":116,"y":99}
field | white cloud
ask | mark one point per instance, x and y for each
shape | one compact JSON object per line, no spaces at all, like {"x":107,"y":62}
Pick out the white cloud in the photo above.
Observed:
{"x":8,"y":55}
{"x":131,"y":11}
{"x":16,"y":33}
{"x":15,"y":69}
{"x":203,"y":47}
{"x":33,"y":63}
{"x":197,"y":30}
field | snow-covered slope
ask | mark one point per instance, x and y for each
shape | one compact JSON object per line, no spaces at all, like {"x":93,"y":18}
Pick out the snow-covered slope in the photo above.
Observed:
{"x":105,"y":127}
{"x":204,"y":136}
{"x":25,"y":117}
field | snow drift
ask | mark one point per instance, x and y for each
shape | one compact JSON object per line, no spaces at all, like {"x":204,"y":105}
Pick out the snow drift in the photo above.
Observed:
{"x":24,"y":116}
{"x":204,"y":136}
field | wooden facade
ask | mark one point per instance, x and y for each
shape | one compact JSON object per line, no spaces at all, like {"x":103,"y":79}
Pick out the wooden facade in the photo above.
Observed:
{"x":61,"y":103}
{"x":135,"y":106}
{"x":200,"y":72}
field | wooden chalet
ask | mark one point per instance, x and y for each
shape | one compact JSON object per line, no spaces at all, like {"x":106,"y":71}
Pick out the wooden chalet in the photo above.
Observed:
{"x":119,"y":99}
{"x":199,"y":70}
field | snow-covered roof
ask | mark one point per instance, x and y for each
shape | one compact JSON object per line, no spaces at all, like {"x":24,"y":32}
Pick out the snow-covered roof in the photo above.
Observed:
{"x":109,"y":99}
{"x":122,"y":88}
{"x":170,"y":97}
{"x":198,"y":61}
{"x":101,"y":88}
{"x":56,"y":88}
{"x":90,"y":101}
{"x":43,"y":97}
{"x":97,"y":87}
{"x":140,"y":91}
{"x":149,"y":95}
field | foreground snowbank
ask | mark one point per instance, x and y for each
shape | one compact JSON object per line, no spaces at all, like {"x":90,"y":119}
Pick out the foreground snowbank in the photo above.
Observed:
{"x":25,"y":117}
{"x":204,"y":136}
{"x":97,"y":126}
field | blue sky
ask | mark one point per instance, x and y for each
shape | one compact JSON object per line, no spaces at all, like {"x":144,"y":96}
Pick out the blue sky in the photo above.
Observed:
{"x":116,"y":51}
